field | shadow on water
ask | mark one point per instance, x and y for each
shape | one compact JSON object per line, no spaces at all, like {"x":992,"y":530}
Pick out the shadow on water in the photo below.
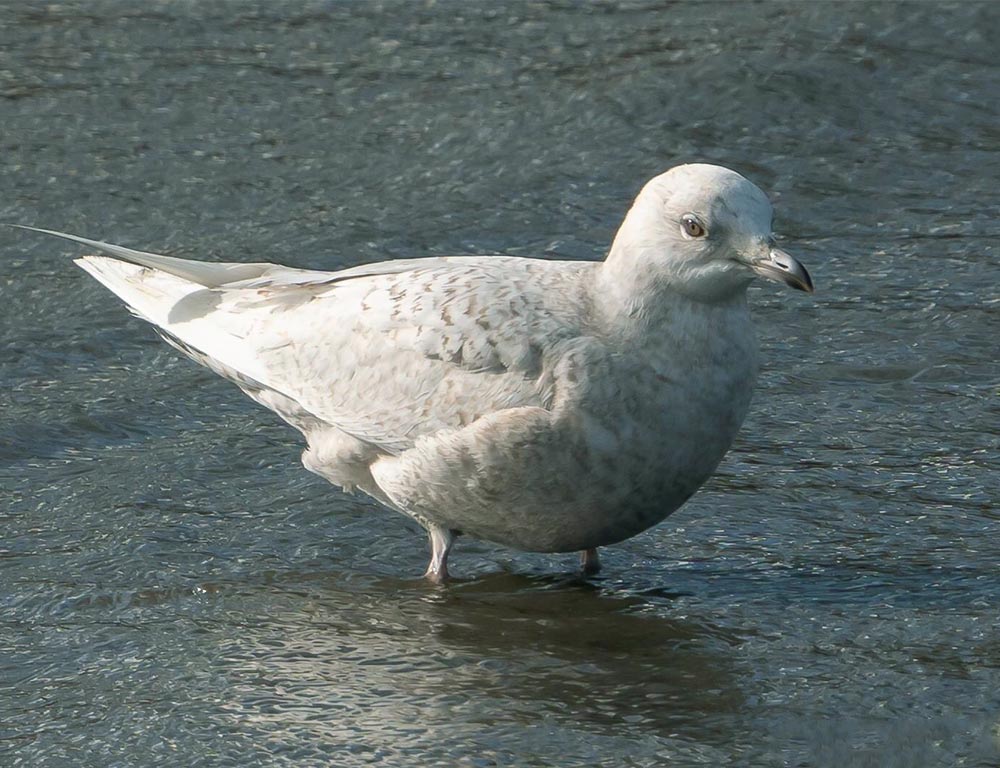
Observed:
{"x":504,"y":649}
{"x":617,"y":657}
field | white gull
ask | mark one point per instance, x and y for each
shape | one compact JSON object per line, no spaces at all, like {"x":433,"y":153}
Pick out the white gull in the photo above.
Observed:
{"x":545,"y":405}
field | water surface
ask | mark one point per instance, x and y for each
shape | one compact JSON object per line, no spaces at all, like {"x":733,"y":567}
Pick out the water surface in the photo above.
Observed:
{"x":177,"y":590}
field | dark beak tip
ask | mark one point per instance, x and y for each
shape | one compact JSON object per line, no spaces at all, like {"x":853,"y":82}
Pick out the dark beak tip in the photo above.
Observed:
{"x":807,"y":282}
{"x":782,"y":268}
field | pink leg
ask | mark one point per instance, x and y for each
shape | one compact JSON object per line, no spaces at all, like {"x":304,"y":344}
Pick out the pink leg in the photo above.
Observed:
{"x":441,"y":541}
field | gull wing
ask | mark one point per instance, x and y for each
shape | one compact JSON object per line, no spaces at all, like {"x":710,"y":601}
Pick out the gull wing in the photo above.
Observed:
{"x":386,"y":353}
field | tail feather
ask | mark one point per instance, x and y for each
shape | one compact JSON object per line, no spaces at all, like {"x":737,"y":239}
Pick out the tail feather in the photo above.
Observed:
{"x":180,"y":298}
{"x":157,"y":296}
{"x":206,"y":274}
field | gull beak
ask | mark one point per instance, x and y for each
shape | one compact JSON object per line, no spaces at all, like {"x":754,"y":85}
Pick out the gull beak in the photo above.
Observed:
{"x":782,"y":268}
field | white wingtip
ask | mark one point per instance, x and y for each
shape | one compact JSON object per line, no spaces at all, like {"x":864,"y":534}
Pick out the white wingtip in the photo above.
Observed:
{"x":112,"y":250}
{"x":207,"y":274}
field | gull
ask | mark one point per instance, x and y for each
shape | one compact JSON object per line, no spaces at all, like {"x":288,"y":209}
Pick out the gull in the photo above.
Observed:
{"x":549,"y":406}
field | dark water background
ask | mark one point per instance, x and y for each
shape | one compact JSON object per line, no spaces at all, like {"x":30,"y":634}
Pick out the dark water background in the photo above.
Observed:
{"x":176,"y":590}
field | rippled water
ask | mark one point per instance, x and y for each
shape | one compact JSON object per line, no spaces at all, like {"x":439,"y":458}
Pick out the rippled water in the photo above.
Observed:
{"x":176,"y":590}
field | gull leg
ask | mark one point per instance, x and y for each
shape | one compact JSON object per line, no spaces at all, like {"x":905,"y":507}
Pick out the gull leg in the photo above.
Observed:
{"x":590,"y":561}
{"x":441,"y":541}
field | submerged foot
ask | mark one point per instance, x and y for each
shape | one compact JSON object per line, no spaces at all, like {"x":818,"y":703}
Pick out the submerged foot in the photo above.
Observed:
{"x":436,"y":576}
{"x":441,"y":541}
{"x":590,"y":562}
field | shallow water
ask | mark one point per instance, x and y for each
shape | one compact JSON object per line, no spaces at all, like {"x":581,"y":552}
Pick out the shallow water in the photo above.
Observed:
{"x":176,"y":589}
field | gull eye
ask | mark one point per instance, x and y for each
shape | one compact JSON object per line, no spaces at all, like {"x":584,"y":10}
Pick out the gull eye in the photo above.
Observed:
{"x":692,"y":227}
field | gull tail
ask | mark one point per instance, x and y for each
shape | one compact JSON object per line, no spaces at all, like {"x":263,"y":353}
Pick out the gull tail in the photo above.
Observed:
{"x":184,"y":300}
{"x":205,"y":274}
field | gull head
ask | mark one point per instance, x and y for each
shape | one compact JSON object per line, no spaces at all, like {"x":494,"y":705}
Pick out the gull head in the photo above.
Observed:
{"x":704,"y":231}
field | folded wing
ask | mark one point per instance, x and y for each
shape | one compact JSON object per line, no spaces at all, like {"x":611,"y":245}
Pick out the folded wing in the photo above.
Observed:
{"x":385,"y":353}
